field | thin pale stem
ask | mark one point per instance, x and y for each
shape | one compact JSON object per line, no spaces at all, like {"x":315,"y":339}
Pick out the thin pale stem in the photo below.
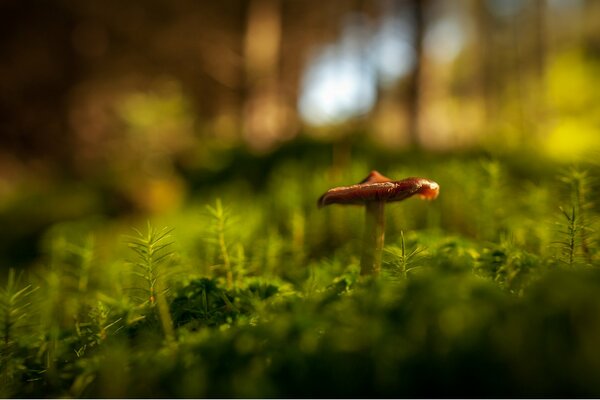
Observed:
{"x":370,"y":263}
{"x":403,"y":255}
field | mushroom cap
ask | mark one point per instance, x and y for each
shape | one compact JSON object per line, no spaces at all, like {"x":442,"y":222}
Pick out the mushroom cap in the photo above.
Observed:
{"x":376,"y":187}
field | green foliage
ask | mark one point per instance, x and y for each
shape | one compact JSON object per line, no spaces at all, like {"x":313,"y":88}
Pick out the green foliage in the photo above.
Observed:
{"x":15,"y":303}
{"x":152,"y":251}
{"x":221,"y":222}
{"x":403,"y":260}
{"x":511,"y":268}
{"x":15,"y":316}
{"x":570,"y":231}
{"x":153,"y":254}
{"x":202,"y":303}
{"x":491,"y":190}
{"x":263,"y":297}
{"x":101,"y":323}
{"x":576,"y":229}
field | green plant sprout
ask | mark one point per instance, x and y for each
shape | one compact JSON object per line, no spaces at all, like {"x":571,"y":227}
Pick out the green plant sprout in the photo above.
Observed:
{"x":570,"y":231}
{"x":491,"y":215}
{"x":578,"y":182}
{"x":152,"y":251}
{"x":15,"y":310}
{"x":404,"y":261}
{"x":221,"y":220}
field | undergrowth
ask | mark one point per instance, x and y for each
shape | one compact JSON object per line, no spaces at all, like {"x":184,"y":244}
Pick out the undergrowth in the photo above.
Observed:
{"x":259,"y":295}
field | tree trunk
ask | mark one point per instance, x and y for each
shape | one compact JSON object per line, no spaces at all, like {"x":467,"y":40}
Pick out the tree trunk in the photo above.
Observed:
{"x":414,"y":88}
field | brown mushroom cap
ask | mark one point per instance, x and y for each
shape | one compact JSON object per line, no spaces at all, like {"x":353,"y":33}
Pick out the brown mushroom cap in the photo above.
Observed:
{"x":376,"y":187}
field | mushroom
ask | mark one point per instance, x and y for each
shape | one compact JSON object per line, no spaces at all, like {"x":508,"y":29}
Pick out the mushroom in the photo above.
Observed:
{"x":373,"y":192}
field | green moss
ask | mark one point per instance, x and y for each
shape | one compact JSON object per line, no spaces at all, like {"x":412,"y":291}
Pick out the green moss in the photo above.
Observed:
{"x":262,"y":295}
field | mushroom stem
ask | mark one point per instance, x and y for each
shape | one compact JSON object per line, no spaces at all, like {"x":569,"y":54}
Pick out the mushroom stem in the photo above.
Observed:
{"x":370,"y":263}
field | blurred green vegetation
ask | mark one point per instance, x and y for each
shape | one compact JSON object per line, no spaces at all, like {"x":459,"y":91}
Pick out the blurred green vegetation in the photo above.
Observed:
{"x":255,"y":292}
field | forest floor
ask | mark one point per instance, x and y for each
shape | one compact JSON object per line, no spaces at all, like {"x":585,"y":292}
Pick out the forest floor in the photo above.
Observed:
{"x":250,"y":290}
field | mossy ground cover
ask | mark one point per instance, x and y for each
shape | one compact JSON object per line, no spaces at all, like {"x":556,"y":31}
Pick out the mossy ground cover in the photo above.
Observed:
{"x":251,"y":291}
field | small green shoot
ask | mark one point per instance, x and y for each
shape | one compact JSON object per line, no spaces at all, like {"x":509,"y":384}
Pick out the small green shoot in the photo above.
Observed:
{"x":403,"y":260}
{"x":579,"y":183}
{"x":220,"y":222}
{"x":15,"y":313}
{"x":152,"y":249}
{"x":15,"y":306}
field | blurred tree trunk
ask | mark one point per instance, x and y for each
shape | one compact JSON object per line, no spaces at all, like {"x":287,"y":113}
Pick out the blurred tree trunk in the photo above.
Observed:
{"x":414,"y":87}
{"x":539,"y":99}
{"x":485,"y":51}
{"x":540,"y":36}
{"x":262,"y":116}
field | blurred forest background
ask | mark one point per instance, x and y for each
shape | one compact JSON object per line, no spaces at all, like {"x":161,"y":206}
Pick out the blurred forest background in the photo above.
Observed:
{"x":130,"y":108}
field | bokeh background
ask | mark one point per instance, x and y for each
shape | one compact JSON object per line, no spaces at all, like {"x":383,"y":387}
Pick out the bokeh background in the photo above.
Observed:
{"x":112,"y":109}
